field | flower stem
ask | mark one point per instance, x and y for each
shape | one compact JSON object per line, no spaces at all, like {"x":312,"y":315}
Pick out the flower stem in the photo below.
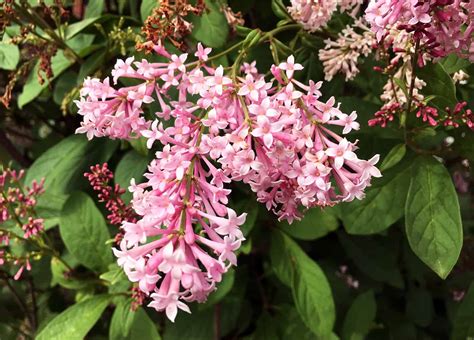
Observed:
{"x":403,"y":117}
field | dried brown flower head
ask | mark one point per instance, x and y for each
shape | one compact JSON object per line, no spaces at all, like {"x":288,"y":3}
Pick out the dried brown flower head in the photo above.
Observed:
{"x":167,"y":22}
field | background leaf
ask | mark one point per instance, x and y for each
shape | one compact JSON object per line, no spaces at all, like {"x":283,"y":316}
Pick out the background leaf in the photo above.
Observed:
{"x":311,"y":291}
{"x":84,"y":232}
{"x":146,"y":7}
{"x":382,"y":206}
{"x":132,"y":165}
{"x":463,"y":327}
{"x":377,"y":258}
{"x":196,"y":326}
{"x":94,"y":9}
{"x":316,"y":223}
{"x":122,"y":320}
{"x":453,"y":63}
{"x":439,"y":84}
{"x":394,"y":156}
{"x":9,"y":56}
{"x":211,"y":27}
{"x":360,"y":317}
{"x":64,"y":164}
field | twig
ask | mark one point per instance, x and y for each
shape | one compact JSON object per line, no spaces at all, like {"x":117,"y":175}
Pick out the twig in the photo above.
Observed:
{"x":18,"y":300}
{"x":217,"y":321}
{"x":39,"y":21}
{"x":412,"y":85}
{"x":34,"y":314}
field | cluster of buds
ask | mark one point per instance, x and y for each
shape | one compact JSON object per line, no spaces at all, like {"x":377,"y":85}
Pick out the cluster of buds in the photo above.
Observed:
{"x":99,"y":178}
{"x":270,"y":134}
{"x":427,"y":113}
{"x":385,"y":115}
{"x":459,"y":115}
{"x":17,"y":206}
{"x":454,"y":117}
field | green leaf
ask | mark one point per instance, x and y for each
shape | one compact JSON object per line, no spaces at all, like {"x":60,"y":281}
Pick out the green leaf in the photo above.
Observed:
{"x":132,"y":165}
{"x":438,"y":83}
{"x":147,"y":7}
{"x":114,"y":275}
{"x":194,"y":326}
{"x":382,"y":206}
{"x":64,"y":164}
{"x":360,"y":317}
{"x":211,"y":28}
{"x":49,"y":206}
{"x":394,"y":156}
{"x":65,"y":83}
{"x":280,"y":9}
{"x":375,"y":257}
{"x":76,"y":28}
{"x":143,"y":327}
{"x":94,"y":8}
{"x":84,"y":232}
{"x":316,"y":223}
{"x":279,"y":261}
{"x":93,"y":63}
{"x":290,"y":324}
{"x":9,"y":56}
{"x":432,"y":216}
{"x":76,"y":321}
{"x":463,"y":327}
{"x":61,"y":276}
{"x":310,"y":287}
{"x":122,"y":320}
{"x":313,"y":298}
{"x":139,"y":145}
{"x":452,"y":63}
{"x":116,"y":278}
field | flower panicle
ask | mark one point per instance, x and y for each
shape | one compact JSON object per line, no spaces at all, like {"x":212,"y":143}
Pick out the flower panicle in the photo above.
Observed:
{"x":276,"y":135}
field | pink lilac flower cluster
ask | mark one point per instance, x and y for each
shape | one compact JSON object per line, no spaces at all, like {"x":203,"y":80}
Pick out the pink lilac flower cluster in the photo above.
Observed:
{"x":342,"y":55}
{"x":315,"y":14}
{"x":275,"y":135}
{"x":441,"y":26}
{"x":17,"y":206}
